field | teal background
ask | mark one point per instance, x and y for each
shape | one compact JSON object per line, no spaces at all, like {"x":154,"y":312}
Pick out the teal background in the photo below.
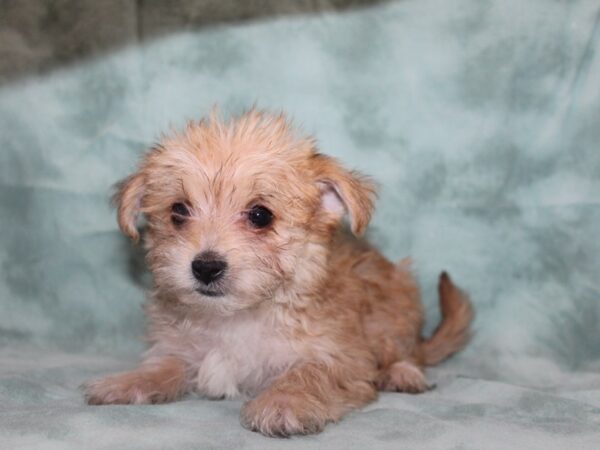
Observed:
{"x":478,"y":118}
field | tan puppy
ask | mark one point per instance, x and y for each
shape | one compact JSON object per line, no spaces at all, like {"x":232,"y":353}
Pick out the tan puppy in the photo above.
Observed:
{"x":259,"y":291}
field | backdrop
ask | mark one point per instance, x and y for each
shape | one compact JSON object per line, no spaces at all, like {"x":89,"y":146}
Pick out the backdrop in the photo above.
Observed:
{"x":479,"y":119}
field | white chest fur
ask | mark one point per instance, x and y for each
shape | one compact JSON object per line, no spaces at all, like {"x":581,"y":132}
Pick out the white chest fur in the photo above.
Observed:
{"x":230,"y":356}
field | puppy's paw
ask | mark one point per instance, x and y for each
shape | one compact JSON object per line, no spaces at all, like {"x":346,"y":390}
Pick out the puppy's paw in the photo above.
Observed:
{"x":403,"y":376}
{"x":123,"y":389}
{"x":282,"y":415}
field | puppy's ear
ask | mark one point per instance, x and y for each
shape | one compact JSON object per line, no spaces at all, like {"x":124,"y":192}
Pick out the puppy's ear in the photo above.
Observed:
{"x":128,"y":199}
{"x":344,"y":191}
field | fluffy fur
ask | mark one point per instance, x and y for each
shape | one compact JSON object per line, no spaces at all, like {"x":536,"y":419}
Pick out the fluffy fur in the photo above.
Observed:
{"x":310,"y":320}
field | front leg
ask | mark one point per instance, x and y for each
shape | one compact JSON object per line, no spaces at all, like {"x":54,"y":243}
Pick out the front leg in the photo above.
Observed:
{"x":157,"y":380}
{"x":305,"y":399}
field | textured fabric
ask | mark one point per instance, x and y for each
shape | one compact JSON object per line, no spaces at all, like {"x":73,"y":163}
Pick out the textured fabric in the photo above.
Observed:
{"x":479,"y":119}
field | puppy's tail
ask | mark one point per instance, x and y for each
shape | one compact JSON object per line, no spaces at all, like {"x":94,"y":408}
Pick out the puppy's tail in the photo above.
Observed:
{"x":453,"y":332}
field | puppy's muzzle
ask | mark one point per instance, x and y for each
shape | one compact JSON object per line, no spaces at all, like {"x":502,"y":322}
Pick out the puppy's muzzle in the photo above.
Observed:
{"x":208,"y":268}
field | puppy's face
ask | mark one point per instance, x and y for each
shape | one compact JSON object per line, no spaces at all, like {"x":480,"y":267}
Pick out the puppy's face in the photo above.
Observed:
{"x":240,"y":213}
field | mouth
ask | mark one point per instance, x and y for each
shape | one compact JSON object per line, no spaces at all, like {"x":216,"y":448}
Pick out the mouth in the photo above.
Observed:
{"x":210,"y":292}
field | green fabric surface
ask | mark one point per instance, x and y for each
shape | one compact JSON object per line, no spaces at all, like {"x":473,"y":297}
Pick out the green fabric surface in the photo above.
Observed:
{"x":478,"y":118}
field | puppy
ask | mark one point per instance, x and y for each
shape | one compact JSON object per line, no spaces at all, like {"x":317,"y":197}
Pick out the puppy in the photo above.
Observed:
{"x":261,"y":291}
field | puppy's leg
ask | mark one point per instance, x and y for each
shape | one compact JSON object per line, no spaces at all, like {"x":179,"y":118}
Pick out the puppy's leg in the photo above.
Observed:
{"x":402,"y":376}
{"x":157,"y":380}
{"x":304,"y":399}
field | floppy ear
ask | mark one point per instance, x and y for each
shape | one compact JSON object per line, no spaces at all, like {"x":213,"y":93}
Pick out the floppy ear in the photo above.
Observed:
{"x":128,"y":199}
{"x":344,"y":191}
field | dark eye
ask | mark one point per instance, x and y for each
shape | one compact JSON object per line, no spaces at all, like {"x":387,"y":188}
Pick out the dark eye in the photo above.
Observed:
{"x":260,"y":217}
{"x":179,"y":212}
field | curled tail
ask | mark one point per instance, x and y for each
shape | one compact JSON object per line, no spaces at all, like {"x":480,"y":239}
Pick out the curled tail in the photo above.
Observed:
{"x":453,"y":332}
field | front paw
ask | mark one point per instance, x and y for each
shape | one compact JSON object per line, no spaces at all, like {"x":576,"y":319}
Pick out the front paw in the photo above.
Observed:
{"x":280,"y":414}
{"x":123,"y":389}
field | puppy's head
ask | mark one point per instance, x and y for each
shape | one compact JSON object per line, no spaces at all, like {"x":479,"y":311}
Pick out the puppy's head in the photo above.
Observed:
{"x":240,"y":213}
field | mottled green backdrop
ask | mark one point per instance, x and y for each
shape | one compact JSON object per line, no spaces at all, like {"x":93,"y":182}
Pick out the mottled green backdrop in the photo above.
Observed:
{"x":479,"y":118}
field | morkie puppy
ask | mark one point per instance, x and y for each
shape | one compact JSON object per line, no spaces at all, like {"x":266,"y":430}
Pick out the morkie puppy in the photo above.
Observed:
{"x":261,"y":291}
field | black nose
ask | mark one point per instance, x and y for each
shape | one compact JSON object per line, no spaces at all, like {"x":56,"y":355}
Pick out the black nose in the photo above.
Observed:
{"x":207,"y":268}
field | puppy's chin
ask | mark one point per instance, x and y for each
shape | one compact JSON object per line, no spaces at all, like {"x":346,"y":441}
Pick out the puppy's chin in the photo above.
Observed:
{"x":208,"y":301}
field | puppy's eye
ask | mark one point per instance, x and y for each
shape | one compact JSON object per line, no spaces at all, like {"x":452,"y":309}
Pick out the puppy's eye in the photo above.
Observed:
{"x":260,"y":217}
{"x":179,"y":212}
